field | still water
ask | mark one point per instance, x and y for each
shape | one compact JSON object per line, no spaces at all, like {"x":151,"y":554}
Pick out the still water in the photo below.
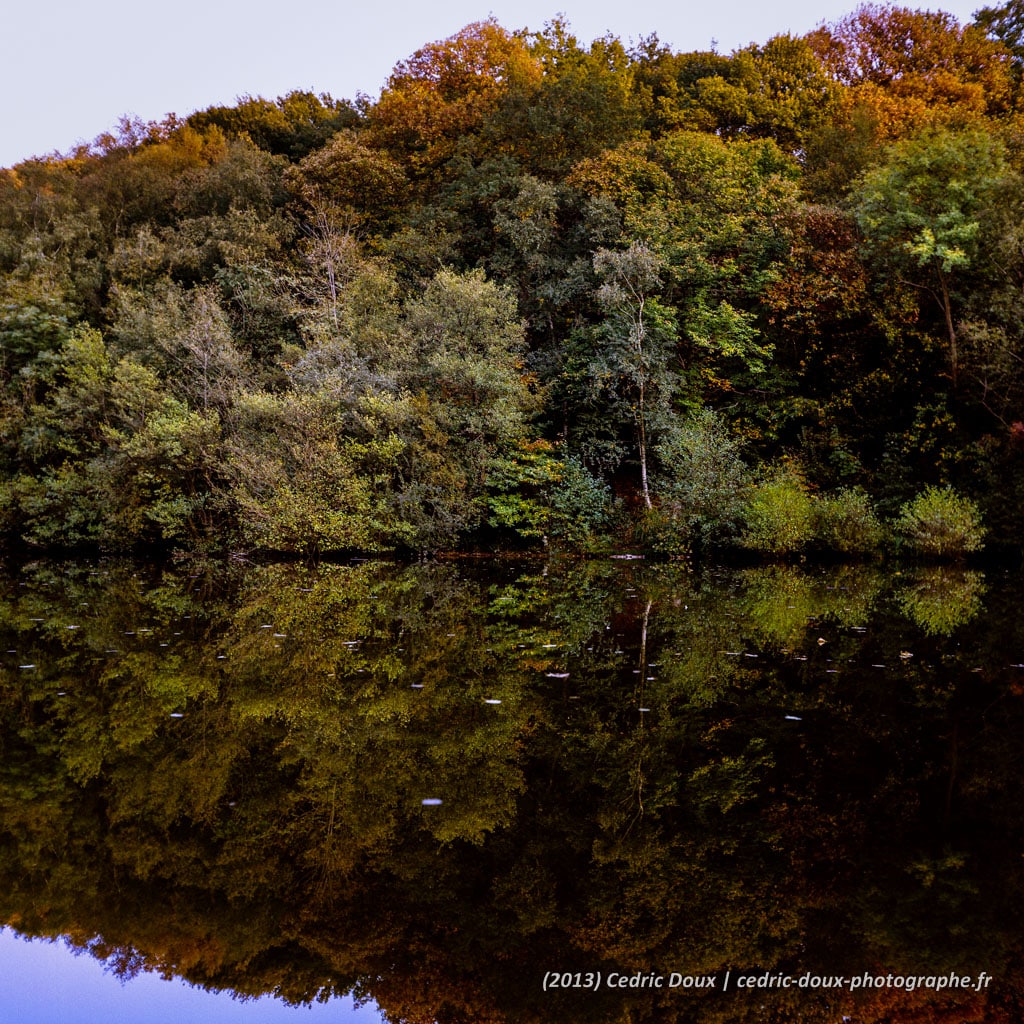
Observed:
{"x":595,"y":791}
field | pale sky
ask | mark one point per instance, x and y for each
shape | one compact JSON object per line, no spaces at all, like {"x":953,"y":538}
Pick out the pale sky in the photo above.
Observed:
{"x":69,"y":70}
{"x":44,"y":983}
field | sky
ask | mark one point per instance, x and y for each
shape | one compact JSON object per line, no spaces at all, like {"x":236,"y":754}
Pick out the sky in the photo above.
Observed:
{"x":43,"y":983}
{"x":69,"y":70}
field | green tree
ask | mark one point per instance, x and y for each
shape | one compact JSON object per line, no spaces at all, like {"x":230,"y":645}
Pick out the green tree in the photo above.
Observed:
{"x":779,"y":90}
{"x":706,"y":481}
{"x":717,"y":214}
{"x":921,"y":211}
{"x":364,"y":186}
{"x":634,"y":362}
{"x":464,"y":351}
{"x":292,"y":125}
{"x":301,"y":483}
{"x":188,"y":335}
{"x":584,"y":102}
{"x":111,"y":458}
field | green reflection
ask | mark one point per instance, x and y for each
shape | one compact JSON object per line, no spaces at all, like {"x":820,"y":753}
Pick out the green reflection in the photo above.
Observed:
{"x":220,"y":772}
{"x":941,"y":599}
{"x":782,"y":600}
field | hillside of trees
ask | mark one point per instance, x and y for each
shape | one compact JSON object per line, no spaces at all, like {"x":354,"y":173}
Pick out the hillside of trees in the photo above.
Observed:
{"x":539,"y":294}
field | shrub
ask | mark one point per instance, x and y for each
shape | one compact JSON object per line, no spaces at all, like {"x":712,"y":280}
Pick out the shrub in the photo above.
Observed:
{"x":705,"y":482}
{"x":846,"y":522}
{"x":580,"y":505}
{"x":779,"y":515}
{"x":538,"y":496}
{"x":941,"y":523}
{"x":517,"y":485}
{"x":658,"y":531}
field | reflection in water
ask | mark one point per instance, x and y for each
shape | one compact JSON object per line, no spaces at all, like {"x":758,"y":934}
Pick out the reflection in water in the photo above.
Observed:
{"x":46,"y":983}
{"x":431,"y":785}
{"x":940,"y":599}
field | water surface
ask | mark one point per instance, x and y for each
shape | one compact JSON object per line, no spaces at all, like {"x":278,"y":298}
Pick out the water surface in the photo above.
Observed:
{"x":431,"y":786}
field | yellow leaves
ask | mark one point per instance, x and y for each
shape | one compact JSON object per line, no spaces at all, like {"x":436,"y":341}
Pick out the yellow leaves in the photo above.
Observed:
{"x":184,"y":150}
{"x":626,"y":175}
{"x":10,"y":177}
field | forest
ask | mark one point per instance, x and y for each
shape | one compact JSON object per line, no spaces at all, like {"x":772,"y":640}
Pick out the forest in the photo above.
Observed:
{"x":539,"y":295}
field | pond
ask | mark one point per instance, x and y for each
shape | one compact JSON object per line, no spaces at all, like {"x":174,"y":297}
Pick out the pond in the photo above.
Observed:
{"x":484,"y":790}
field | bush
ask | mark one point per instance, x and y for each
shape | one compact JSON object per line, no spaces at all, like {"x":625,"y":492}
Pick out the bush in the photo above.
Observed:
{"x":846,"y":522}
{"x":941,"y":523}
{"x":580,"y":505}
{"x":779,"y":515}
{"x":705,"y":483}
{"x":657,"y":531}
{"x":517,"y":485}
{"x":538,"y":496}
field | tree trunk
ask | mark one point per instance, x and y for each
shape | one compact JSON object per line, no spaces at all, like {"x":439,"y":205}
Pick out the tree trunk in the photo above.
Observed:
{"x":951,"y":331}
{"x":642,"y":425}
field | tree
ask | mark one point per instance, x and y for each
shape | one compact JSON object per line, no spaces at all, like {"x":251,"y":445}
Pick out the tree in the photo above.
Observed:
{"x":921,"y":211}
{"x":779,"y":90}
{"x":393,"y":418}
{"x":1005,"y":24}
{"x":189,"y":334}
{"x":706,"y":480}
{"x":293,"y":125}
{"x":583,"y":103}
{"x":365,"y":185}
{"x":444,"y":91}
{"x":913,"y":69}
{"x":716,"y":215}
{"x":633,"y":362}
{"x":465,"y":347}
{"x":302,"y":483}
{"x":110,"y":457}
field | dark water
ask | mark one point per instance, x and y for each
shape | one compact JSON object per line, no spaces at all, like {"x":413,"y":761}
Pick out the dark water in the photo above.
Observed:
{"x":484,"y":791}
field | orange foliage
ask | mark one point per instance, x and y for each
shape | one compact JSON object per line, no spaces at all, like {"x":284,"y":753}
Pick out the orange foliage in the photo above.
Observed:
{"x":914,"y":69}
{"x":830,"y":283}
{"x":446,"y":89}
{"x":925,"y":1006}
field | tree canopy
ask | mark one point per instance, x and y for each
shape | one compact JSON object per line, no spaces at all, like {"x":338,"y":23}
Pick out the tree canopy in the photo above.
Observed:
{"x":483,"y":308}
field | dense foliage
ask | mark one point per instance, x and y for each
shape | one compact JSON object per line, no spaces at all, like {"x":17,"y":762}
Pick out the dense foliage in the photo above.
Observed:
{"x":536,"y":293}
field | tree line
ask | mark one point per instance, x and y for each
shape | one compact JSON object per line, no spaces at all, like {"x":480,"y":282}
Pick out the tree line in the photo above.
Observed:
{"x":538,"y":293}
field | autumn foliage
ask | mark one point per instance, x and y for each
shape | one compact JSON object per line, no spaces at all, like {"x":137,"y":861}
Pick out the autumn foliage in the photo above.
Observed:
{"x":512,"y":299}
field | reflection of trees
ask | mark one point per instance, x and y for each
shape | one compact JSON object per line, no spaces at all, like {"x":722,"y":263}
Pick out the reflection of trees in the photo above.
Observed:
{"x":781,"y":600}
{"x":940,"y":599}
{"x":273,"y":837}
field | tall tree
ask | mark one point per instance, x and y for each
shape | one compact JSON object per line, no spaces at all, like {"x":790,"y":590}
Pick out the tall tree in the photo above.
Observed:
{"x":1005,"y":23}
{"x":779,"y":90}
{"x":635,"y":359}
{"x":921,"y":211}
{"x":293,"y":125}
{"x":444,"y":91}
